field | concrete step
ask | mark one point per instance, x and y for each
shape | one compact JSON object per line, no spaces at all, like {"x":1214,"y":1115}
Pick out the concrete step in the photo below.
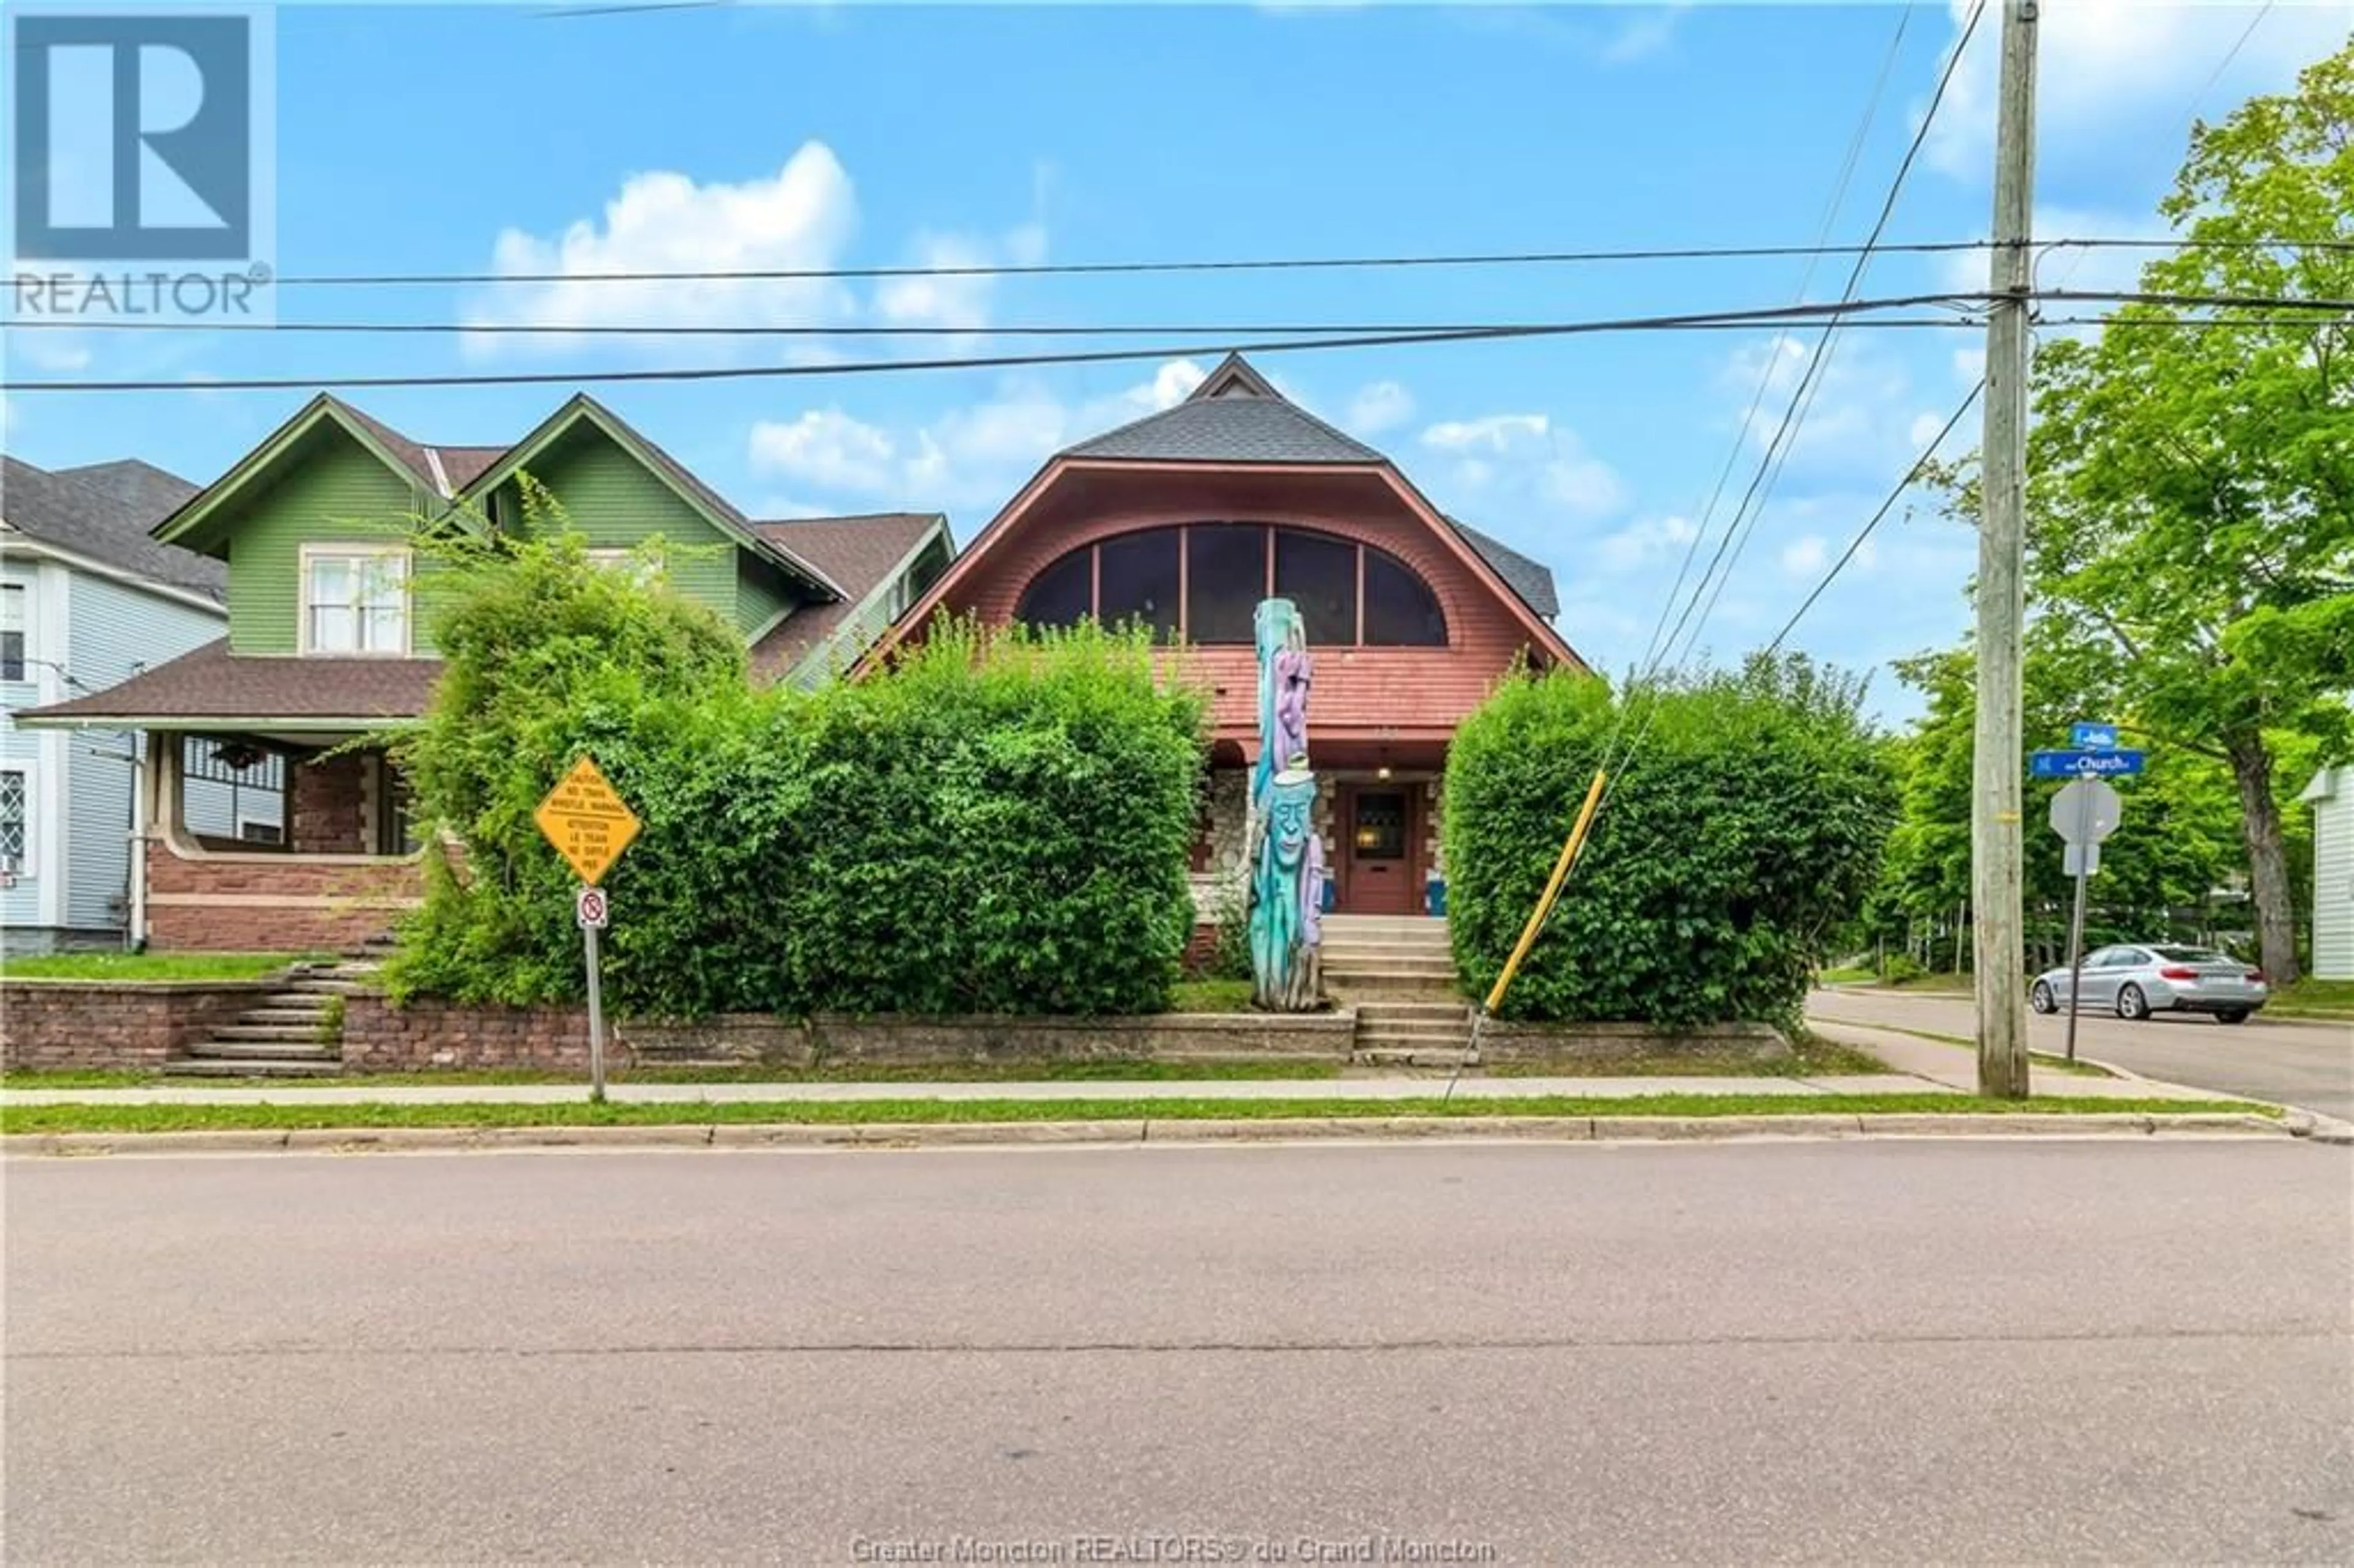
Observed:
{"x":1434,"y":968}
{"x":254,"y":1067}
{"x":307,"y":1045}
{"x":291,"y":1017}
{"x":1453,"y":1015}
{"x":1384,"y":952}
{"x":1384,"y":1057}
{"x":1411,"y":1037}
{"x":1336,"y":922}
{"x":1356,"y":991}
{"x":326,"y":987}
{"x":313,"y":999}
{"x":268,"y":1033}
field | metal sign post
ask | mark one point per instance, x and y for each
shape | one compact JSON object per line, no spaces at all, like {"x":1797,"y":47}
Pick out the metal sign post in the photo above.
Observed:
{"x":589,"y":824}
{"x":2075,"y":929}
{"x":590,"y":909}
{"x":2083,"y":813}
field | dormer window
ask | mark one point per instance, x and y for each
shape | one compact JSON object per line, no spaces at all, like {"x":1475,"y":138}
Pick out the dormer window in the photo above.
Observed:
{"x":355,"y":599}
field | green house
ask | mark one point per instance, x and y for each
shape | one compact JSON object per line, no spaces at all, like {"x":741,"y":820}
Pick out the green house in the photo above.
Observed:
{"x":326,"y":643}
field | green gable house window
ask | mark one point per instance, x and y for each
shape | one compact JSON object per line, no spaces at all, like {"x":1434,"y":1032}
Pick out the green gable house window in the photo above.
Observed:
{"x":355,"y":599}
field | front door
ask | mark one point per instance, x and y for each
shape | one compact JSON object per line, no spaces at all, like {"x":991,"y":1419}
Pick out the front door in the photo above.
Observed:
{"x":1377,"y":851}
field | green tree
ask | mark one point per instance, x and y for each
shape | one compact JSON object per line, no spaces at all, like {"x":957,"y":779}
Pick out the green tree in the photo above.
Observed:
{"x":2176,"y":843}
{"x":2190,"y":515}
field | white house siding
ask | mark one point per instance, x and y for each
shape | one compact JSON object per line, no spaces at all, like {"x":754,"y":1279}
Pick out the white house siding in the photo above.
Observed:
{"x":114,"y":630}
{"x":20,"y":906}
{"x":2332,"y":797}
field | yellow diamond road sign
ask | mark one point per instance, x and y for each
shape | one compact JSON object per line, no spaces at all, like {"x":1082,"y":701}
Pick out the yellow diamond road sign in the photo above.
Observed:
{"x":587,"y":821}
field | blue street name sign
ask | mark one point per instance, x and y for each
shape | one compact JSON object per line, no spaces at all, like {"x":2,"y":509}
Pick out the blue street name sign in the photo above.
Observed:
{"x":2094,"y":736}
{"x":2083,"y":764}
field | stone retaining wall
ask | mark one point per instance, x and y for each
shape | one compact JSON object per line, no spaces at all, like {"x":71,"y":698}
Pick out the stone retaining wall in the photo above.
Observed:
{"x":50,"y":1024}
{"x":433,"y":1034}
{"x":1569,"y":1043}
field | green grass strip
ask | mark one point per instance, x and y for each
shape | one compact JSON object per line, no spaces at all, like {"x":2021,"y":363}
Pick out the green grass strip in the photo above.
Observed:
{"x":131,"y":967}
{"x":88,"y":1118}
{"x":1116,"y":1069}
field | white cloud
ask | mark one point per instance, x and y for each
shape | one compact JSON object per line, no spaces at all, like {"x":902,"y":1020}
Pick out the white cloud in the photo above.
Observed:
{"x":2103,"y":64}
{"x":1643,"y":32}
{"x":799,"y":220}
{"x":51,"y":350}
{"x":1498,"y":433}
{"x":1643,"y":541}
{"x":1516,"y":450}
{"x":968,"y":457}
{"x":827,"y":448}
{"x":1850,"y":420}
{"x":1805,"y":555}
{"x":958,"y":300}
{"x":1379,"y":406}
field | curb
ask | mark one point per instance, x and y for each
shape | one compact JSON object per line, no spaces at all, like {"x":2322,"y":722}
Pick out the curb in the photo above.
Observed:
{"x":923,"y":1135}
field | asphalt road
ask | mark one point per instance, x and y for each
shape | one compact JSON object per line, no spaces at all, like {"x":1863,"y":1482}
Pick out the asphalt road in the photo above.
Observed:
{"x":2295,"y":1062}
{"x":1996,"y":1350}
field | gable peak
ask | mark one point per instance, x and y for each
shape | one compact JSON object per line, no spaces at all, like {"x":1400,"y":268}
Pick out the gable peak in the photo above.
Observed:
{"x":1234,"y":378}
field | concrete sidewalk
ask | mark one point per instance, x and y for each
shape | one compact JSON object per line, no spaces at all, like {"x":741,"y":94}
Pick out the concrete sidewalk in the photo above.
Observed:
{"x":1334,"y":1089}
{"x":1956,"y":1066}
{"x":1918,"y":1066}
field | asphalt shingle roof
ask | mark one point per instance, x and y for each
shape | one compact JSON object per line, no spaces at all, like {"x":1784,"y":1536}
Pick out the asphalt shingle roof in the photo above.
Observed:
{"x":1530,"y":579}
{"x":104,"y":512}
{"x":1240,"y":429}
{"x":210,"y":682}
{"x":858,"y":552}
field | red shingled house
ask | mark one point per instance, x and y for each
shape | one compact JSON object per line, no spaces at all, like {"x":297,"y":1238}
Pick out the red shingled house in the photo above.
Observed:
{"x":1187,"y":518}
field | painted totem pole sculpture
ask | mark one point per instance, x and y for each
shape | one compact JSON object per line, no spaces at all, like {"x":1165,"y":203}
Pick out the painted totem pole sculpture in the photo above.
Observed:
{"x":1286,"y":858}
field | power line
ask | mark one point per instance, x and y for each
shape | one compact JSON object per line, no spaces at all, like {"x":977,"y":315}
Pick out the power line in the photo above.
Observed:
{"x":1267,"y":264}
{"x":1704,"y":319}
{"x":1218,"y":330}
{"x":1114,"y":269}
{"x":1766,"y":379}
{"x":1847,"y":315}
{"x":1751,"y":505}
{"x":1886,"y":506}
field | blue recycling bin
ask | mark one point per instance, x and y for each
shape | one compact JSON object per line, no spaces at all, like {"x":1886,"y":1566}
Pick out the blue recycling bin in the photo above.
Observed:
{"x":1329,"y":897}
{"x":1434,"y":896}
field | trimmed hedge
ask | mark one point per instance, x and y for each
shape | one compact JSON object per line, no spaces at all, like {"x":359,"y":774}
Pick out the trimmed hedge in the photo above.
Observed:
{"x":1750,"y":823}
{"x":995,"y":823}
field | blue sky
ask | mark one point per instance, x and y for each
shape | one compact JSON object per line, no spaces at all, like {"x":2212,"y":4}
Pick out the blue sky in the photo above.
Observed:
{"x":499,"y":139}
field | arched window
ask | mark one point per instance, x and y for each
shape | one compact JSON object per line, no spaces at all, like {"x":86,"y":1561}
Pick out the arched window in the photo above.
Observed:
{"x":1062,"y":594}
{"x":1351,"y":595}
{"x":1400,"y":609}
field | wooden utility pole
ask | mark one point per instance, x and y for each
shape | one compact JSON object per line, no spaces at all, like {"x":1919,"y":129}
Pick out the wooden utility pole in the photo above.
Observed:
{"x":1998,"y":787}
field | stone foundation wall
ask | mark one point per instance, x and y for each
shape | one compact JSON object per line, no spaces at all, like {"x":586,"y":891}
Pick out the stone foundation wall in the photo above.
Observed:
{"x":50,"y":1025}
{"x":273,"y":903}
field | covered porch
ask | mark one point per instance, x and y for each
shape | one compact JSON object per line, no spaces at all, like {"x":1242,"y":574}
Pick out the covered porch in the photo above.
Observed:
{"x":1378,"y":805}
{"x":267,"y":814}
{"x":273,"y":843}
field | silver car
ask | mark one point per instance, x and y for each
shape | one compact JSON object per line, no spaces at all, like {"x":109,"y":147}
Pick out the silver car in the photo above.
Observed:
{"x":2136,"y":981}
